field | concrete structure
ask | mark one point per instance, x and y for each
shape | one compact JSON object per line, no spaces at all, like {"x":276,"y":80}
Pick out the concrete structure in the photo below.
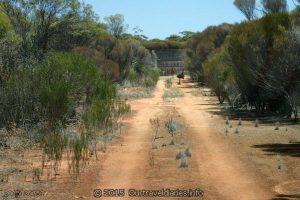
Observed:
{"x":170,"y":61}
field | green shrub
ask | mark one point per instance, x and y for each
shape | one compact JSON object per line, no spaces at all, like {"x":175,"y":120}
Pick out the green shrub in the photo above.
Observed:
{"x":218,"y":74}
{"x":64,"y":80}
{"x":147,"y":77}
{"x":132,"y":76}
{"x":201,"y":45}
{"x":5,"y":23}
{"x":54,"y":143}
{"x":72,"y":87}
{"x":168,"y":83}
{"x":148,"y":82}
{"x":18,"y":99}
{"x":79,"y":147}
{"x":172,"y":126}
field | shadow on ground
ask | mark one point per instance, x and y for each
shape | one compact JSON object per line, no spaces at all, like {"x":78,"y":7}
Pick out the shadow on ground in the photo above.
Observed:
{"x":267,"y":118}
{"x":286,"y":197}
{"x":292,"y":149}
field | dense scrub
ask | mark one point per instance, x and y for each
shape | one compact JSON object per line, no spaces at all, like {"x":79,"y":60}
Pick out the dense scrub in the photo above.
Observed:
{"x":253,"y":65}
{"x":164,"y":44}
{"x":59,"y":69}
{"x":201,"y":45}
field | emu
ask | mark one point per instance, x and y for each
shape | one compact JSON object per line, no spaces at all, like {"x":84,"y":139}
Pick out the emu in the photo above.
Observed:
{"x":180,"y":76}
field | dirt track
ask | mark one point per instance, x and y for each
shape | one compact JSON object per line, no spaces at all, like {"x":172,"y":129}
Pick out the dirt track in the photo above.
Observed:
{"x":232,"y":167}
{"x":214,"y":168}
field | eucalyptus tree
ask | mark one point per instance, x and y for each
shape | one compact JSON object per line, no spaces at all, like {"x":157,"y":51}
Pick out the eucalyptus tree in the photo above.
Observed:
{"x":116,"y":25}
{"x":247,"y":7}
{"x":274,"y":6}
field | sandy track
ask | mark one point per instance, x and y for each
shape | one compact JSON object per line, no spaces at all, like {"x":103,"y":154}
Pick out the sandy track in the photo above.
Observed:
{"x":214,"y":167}
{"x":126,"y":163}
{"x":242,"y":166}
{"x":220,"y":169}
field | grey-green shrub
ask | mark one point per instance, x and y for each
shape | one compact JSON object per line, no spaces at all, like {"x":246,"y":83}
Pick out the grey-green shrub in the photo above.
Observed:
{"x":171,"y":126}
{"x":145,"y":77}
{"x":168,"y":83}
{"x":173,"y":92}
{"x":183,"y":162}
{"x":188,"y":152}
{"x":180,"y":154}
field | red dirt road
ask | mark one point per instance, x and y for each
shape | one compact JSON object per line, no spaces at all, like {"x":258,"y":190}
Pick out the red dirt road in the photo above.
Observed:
{"x":214,"y":167}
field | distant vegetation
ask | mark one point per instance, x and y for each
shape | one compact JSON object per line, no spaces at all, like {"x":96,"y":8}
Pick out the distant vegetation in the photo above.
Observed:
{"x":60,"y":66}
{"x":254,"y":64}
{"x":171,"y":42}
{"x":162,"y":44}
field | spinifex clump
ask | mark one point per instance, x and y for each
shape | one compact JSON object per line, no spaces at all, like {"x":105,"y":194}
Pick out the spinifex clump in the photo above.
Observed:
{"x":171,"y":127}
{"x":184,"y":162}
{"x":188,"y":152}
{"x":183,"y":156}
{"x":180,"y":154}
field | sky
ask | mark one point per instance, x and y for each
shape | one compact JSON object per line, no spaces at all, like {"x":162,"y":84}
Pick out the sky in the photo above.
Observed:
{"x":162,"y":18}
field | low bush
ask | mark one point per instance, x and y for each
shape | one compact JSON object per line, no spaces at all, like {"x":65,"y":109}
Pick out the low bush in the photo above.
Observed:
{"x":134,"y":93}
{"x":146,"y":77}
{"x":168,"y":83}
{"x":173,"y":93}
{"x":63,"y":88}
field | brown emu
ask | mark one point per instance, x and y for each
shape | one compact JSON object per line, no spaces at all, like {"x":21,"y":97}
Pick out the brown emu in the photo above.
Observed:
{"x":180,"y":76}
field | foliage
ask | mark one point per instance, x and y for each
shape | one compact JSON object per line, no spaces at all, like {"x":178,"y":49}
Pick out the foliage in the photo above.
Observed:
{"x":9,"y":55}
{"x":52,"y":25}
{"x":116,"y":24}
{"x":257,"y":52}
{"x":168,"y":83}
{"x":247,"y":7}
{"x":58,"y":65}
{"x":130,"y":54}
{"x":219,"y":75}
{"x":147,"y":77}
{"x":171,"y":126}
{"x":135,"y":93}
{"x":108,"y":67}
{"x":100,"y":113}
{"x":5,"y":24}
{"x":174,"y":38}
{"x":17,"y":100}
{"x":186,"y":35}
{"x":201,"y":45}
{"x":156,"y":44}
{"x":173,"y":92}
{"x":274,"y":6}
{"x":63,"y":80}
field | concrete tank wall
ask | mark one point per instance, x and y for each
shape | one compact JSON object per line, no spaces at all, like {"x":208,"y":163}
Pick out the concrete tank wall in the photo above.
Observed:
{"x":170,"y":61}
